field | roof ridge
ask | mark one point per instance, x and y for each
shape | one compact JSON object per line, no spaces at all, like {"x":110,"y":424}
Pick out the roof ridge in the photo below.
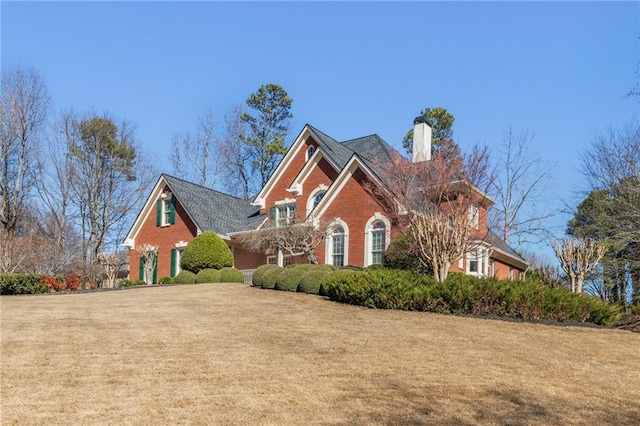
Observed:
{"x":203,"y":187}
{"x":375,"y":135}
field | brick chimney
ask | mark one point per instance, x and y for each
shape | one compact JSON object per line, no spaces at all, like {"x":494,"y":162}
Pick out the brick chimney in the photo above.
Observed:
{"x":421,"y":140}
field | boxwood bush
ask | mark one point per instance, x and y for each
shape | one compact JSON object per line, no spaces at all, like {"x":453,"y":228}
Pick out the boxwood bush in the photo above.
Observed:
{"x":270,"y":277}
{"x":311,"y":282}
{"x":259,"y":273}
{"x":206,"y":250}
{"x":131,"y":283}
{"x":185,"y":277}
{"x":208,"y":275}
{"x":289,"y":279}
{"x":231,"y":275}
{"x":22,"y":284}
{"x":460,"y":294}
{"x":165,"y":280}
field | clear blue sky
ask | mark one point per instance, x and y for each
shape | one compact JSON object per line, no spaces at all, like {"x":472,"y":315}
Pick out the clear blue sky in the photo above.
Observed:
{"x":560,"y":70}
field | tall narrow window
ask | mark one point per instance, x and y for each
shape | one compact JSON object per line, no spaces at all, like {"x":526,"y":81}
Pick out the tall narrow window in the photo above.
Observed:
{"x":166,"y":212}
{"x":310,"y":151}
{"x":473,"y":262}
{"x":474,"y":216}
{"x":337,"y":246}
{"x":378,"y":232}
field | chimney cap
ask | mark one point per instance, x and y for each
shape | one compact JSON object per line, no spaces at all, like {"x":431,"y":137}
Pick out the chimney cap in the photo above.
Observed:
{"x":421,"y":119}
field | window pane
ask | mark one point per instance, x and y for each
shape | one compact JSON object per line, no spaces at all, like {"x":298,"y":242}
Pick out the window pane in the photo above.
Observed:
{"x":377,"y":258}
{"x":317,"y":199}
{"x":377,"y":241}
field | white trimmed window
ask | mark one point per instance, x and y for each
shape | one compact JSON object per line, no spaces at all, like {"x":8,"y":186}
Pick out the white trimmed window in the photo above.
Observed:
{"x":285,"y":214}
{"x":474,"y":216}
{"x":273,"y":260}
{"x":310,"y":150}
{"x":377,"y":237}
{"x":337,"y":245}
{"x":477,"y":262}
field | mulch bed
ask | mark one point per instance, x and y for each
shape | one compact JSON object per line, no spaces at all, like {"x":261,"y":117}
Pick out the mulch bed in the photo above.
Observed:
{"x":630,"y":323}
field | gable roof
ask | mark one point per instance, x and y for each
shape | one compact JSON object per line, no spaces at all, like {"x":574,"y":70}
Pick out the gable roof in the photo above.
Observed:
{"x":212,"y":210}
{"x":500,"y":245}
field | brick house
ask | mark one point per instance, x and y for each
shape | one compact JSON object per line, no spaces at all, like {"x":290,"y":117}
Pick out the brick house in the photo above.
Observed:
{"x":318,"y":176}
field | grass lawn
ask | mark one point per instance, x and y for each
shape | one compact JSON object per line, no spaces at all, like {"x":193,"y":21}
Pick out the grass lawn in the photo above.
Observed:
{"x":232,"y":354}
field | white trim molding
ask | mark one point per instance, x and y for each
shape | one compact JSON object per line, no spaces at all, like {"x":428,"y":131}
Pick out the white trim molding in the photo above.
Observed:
{"x":328,"y":245}
{"x":377,"y":217}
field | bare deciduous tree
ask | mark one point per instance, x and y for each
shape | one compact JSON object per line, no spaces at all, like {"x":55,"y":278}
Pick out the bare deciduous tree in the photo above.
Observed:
{"x":296,"y":239}
{"x":236,"y":168}
{"x":24,"y":102}
{"x":578,"y":257}
{"x":435,"y":204}
{"x":149,"y":255}
{"x":108,"y":181}
{"x":194,"y":156}
{"x":522,"y":184}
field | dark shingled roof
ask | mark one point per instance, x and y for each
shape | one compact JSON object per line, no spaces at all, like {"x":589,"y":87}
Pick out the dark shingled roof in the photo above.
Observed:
{"x":499,"y":243}
{"x":212,"y":210}
{"x":372,"y":149}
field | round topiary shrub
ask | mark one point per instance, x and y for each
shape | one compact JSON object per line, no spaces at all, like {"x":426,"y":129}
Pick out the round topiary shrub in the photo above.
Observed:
{"x":231,"y":275}
{"x":259,"y":273}
{"x":185,"y":277}
{"x":270,"y":277}
{"x":207,"y":250}
{"x":289,"y":279}
{"x":208,"y":275}
{"x":312,"y":281}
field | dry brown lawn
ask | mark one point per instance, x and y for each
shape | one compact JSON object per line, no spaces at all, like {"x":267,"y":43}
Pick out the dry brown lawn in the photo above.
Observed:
{"x":232,"y":354}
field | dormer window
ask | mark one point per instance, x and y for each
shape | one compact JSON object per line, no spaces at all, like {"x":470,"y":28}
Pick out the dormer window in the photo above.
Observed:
{"x":310,"y":151}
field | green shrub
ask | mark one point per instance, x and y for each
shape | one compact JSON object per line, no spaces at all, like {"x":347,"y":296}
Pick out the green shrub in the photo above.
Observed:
{"x":22,"y":284}
{"x":185,"y":277}
{"x":165,"y":280}
{"x":311,"y":281}
{"x":289,"y":279}
{"x":231,"y":275}
{"x":208,"y":276}
{"x":206,"y":250}
{"x":350,"y":268}
{"x":270,"y":277}
{"x":129,"y":283}
{"x":461,"y":294}
{"x":400,"y":256}
{"x":259,"y":273}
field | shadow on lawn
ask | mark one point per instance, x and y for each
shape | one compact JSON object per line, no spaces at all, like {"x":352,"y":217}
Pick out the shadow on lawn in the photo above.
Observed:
{"x":498,"y":407}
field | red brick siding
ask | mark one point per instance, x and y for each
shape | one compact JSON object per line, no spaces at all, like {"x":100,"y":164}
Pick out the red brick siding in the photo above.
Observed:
{"x":164,"y":237}
{"x":355,"y":206}
{"x":279,"y":190}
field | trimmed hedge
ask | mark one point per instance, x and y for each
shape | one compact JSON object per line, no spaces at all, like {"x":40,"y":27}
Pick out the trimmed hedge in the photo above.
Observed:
{"x":185,"y":277}
{"x":208,"y":276}
{"x":270,"y":277}
{"x":311,"y":282}
{"x":206,"y":250}
{"x":231,"y":275}
{"x":460,"y":294}
{"x":259,"y":273}
{"x":289,"y":279}
{"x":165,"y":280}
{"x":130,"y":283}
{"x":22,"y":284}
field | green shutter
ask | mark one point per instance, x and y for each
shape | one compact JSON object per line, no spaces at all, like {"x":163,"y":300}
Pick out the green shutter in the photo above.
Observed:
{"x":155,"y":273}
{"x":272,"y":216}
{"x":172,"y":214}
{"x":173,"y":263}
{"x":141,"y":270}
{"x":159,"y":213}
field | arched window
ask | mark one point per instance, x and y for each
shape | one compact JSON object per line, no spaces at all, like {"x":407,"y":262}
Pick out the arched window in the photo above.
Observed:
{"x":337,"y":244}
{"x":314,"y":197}
{"x":310,"y":151}
{"x":377,"y":236}
{"x":378,"y":245}
{"x":317,"y":198}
